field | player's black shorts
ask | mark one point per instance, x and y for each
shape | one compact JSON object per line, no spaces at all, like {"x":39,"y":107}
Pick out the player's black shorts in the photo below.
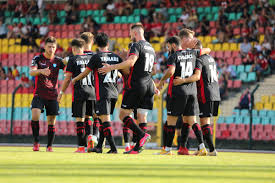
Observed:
{"x":179,"y":122}
{"x":80,"y":108}
{"x":209,"y":109}
{"x":105,"y":106}
{"x":141,"y":97}
{"x":51,"y":106}
{"x":182,"y":105}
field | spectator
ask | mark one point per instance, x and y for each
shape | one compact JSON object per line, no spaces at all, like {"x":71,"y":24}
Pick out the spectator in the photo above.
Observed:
{"x":9,"y":75}
{"x":90,"y":25}
{"x":72,"y":16}
{"x":15,"y":32}
{"x":245,"y":47}
{"x":1,"y":68}
{"x":3,"y":75}
{"x":184,"y":17}
{"x":156,"y":27}
{"x":15,"y":72}
{"x":204,"y":25}
{"x":33,"y":9}
{"x":192,"y":20}
{"x":222,"y":20}
{"x":110,"y":10}
{"x":260,"y":66}
{"x":53,"y":17}
{"x":251,"y":56}
{"x":258,"y":46}
{"x":43,"y":30}
{"x":3,"y":30}
{"x":266,"y":44}
{"x":244,"y":100}
{"x":271,"y":59}
{"x":163,"y":11}
{"x":120,"y":7}
{"x":25,"y":80}
{"x":40,"y":6}
{"x":11,"y":5}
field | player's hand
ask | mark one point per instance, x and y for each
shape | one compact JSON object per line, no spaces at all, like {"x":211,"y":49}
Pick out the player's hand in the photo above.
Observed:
{"x":73,"y":81}
{"x":178,"y":81}
{"x":193,"y":43}
{"x":59,"y":97}
{"x":157,"y":92}
{"x":45,"y":72}
{"x":160,"y":85}
{"x":123,"y":54}
{"x":105,"y":69}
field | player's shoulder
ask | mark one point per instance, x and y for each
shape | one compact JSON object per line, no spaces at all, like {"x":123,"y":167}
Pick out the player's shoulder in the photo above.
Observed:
{"x":57,"y":58}
{"x":37,"y":57}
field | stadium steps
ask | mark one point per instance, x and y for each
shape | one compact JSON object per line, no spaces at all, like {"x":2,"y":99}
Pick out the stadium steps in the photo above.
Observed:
{"x":267,"y":87}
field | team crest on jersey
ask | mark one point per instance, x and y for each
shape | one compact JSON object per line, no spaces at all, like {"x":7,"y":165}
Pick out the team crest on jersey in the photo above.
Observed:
{"x":54,"y":65}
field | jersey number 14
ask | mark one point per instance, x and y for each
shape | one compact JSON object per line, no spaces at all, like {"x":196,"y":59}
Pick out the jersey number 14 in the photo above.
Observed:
{"x":186,"y":69}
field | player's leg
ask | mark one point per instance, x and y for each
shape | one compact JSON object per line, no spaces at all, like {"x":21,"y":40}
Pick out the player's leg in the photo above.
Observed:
{"x":185,"y":130}
{"x":170,"y":134}
{"x":135,"y":136}
{"x":91,"y":140}
{"x":178,"y":130}
{"x":126,"y":138}
{"x":36,"y":107}
{"x":80,"y":132}
{"x":51,"y":131}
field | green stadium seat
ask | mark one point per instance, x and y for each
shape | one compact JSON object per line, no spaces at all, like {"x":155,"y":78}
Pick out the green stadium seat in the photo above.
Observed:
{"x":215,"y":17}
{"x":240,"y":68}
{"x":96,"y":13}
{"x":178,"y":11}
{"x":200,"y":10}
{"x":15,"y":20}
{"x":221,"y":119}
{"x":266,"y":120}
{"x":61,"y":13}
{"x":239,"y":15}
{"x":89,"y":13}
{"x":230,"y":119}
{"x":136,"y":12}
{"x":82,"y":14}
{"x":171,"y":11}
{"x":8,"y":14}
{"x":144,"y":12}
{"x":123,"y":19}
{"x":117,"y":20}
{"x":243,"y":76}
{"x":239,"y":120}
{"x":215,"y":9}
{"x":209,"y":16}
{"x":173,"y":18}
{"x":36,"y":21}
{"x":8,"y":20}
{"x":256,"y":120}
{"x":254,"y":112}
{"x":207,"y":10}
{"x":236,"y":112}
{"x":271,"y":114}
{"x":262,"y":113}
{"x":231,"y":16}
{"x":45,"y":20}
{"x":103,"y":20}
{"x":63,"y":19}
{"x":251,"y":77}
{"x":244,"y":112}
{"x":234,"y":67}
{"x":246,"y":120}
{"x":97,"y":19}
{"x":247,"y":68}
{"x":131,"y":19}
{"x":23,"y":20}
{"x":101,"y":12}
{"x":137,"y":19}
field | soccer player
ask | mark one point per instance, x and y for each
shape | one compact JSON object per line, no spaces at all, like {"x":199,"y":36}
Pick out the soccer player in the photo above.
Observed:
{"x":141,"y":86}
{"x":88,"y":37}
{"x":208,"y":96}
{"x":45,"y":68}
{"x":181,"y":100}
{"x":83,"y":101}
{"x":106,"y":89}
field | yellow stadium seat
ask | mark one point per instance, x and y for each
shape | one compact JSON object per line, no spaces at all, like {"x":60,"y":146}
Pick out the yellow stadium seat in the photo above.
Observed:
{"x":273,"y":106}
{"x":208,"y":39}
{"x":265,"y":99}
{"x":120,"y":40}
{"x":225,"y":47}
{"x":11,"y":41}
{"x":24,"y":49}
{"x":261,"y":39}
{"x":211,"y":46}
{"x":217,"y":47}
{"x":157,"y":47}
{"x":233,"y":46}
{"x":162,"y":39}
{"x":11,"y":49}
{"x":259,"y":106}
{"x":201,"y":38}
{"x":58,"y":40}
{"x":154,"y":39}
{"x":17,"y":103}
{"x":17,"y":49}
{"x":272,"y":98}
{"x":5,"y":42}
{"x":127,"y":40}
{"x":268,"y":106}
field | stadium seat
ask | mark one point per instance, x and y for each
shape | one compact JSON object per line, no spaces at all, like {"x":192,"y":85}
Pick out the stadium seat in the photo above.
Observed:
{"x":238,"y":61}
{"x":243,"y":76}
{"x":251,"y":77}
{"x":237,"y":84}
{"x":268,"y":106}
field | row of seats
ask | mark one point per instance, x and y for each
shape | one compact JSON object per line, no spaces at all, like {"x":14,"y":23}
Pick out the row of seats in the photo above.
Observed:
{"x":23,"y":127}
{"x":246,"y":120}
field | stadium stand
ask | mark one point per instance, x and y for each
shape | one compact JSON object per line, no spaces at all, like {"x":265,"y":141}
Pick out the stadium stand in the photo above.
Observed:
{"x":220,"y":25}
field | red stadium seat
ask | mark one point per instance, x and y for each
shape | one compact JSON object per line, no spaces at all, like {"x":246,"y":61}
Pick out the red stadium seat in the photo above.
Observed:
{"x":213,"y":54}
{"x":104,"y":26}
{"x":237,"y":84}
{"x":230,"y":61}
{"x":230,"y":84}
{"x":111,"y":26}
{"x":82,"y":7}
{"x":219,"y":54}
{"x":96,"y":6}
{"x":213,"y":32}
{"x":227,"y":54}
{"x":212,"y":24}
{"x":235,"y":54}
{"x":236,"y":31}
{"x":117,"y":27}
{"x":238,"y":61}
{"x":125,"y":27}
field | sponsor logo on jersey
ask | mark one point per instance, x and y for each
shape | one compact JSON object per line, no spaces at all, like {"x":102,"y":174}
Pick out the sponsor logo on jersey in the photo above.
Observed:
{"x":82,"y":62}
{"x":184,"y":57}
{"x":54,"y":65}
{"x":109,"y":59}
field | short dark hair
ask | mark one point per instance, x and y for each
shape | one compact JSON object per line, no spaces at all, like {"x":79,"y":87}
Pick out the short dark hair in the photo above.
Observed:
{"x":102,"y":39}
{"x":137,"y":25}
{"x":88,"y":37}
{"x":173,"y":39}
{"x":50,"y":39}
{"x":186,"y":33}
{"x":79,"y":43}
{"x":198,"y":45}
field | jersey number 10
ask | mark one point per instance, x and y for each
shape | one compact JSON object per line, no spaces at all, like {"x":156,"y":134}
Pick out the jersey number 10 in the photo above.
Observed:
{"x":149,"y":62}
{"x":87,"y":80}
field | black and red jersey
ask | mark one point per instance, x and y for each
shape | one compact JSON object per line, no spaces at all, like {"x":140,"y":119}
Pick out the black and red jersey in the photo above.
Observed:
{"x":105,"y":85}
{"x":46,"y":86}
{"x":140,"y":73}
{"x":208,"y":85}
{"x":83,"y":89}
{"x":185,"y":63}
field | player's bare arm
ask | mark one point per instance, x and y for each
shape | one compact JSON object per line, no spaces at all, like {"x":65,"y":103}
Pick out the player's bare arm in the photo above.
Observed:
{"x":36,"y":72}
{"x":195,"y":77}
{"x":130,"y":62}
{"x":81,"y":76}
{"x":64,"y":86}
{"x":205,"y":51}
{"x":169,"y":73}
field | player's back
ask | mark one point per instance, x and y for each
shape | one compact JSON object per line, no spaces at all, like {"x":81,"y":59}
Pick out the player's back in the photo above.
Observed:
{"x":208,"y":86}
{"x":105,"y":85}
{"x":83,"y":89}
{"x":140,"y":73}
{"x":185,"y":64}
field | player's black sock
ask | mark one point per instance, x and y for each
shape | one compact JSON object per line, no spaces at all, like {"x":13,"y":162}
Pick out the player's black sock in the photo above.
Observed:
{"x":197,"y":130}
{"x":179,"y":141}
{"x":107,"y":129}
{"x":207,"y":135}
{"x":143,"y":126}
{"x":170,"y":135}
{"x":130,"y":123}
{"x":51,"y":135}
{"x":165,"y":134}
{"x":96,"y":125}
{"x":126,"y":134}
{"x":80,"y":130}
{"x":87,"y":126}
{"x":101,"y":136}
{"x":35,"y":130}
{"x":135,"y":138}
{"x":185,"y":134}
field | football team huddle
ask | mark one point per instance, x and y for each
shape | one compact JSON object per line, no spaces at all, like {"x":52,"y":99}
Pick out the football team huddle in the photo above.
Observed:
{"x":193,"y":90}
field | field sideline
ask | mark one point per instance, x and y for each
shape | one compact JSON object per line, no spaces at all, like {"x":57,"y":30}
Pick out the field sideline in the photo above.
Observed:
{"x":20,"y":164}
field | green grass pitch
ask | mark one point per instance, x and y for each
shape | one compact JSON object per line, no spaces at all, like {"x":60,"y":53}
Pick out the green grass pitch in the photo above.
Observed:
{"x":21,"y":165}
